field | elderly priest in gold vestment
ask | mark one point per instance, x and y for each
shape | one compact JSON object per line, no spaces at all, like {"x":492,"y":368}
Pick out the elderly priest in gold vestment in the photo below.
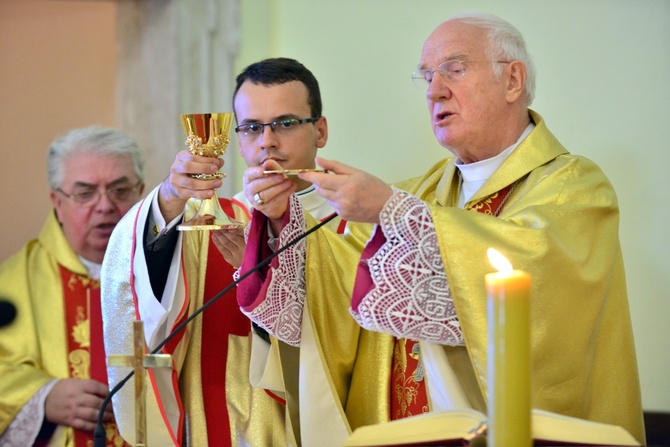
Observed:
{"x":395,"y":311}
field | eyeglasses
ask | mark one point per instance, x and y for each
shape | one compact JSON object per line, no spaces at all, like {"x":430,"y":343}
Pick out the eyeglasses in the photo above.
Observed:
{"x":452,"y":70}
{"x":87,"y":196}
{"x":281,"y":127}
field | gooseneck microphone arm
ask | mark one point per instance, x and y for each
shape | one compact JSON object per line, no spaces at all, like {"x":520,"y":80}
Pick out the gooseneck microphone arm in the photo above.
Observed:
{"x":99,"y":438}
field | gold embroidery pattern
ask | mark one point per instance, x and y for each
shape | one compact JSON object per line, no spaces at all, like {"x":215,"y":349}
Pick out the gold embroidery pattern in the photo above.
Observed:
{"x":113,"y":436}
{"x":484,"y":206}
{"x":494,"y":200}
{"x":81,"y":332}
{"x":80,"y":359}
{"x":406,"y":386}
{"x":80,"y":362}
{"x":85,"y":281}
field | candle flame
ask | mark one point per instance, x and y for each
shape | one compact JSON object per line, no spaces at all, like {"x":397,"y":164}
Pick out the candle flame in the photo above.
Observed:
{"x":498,"y":261}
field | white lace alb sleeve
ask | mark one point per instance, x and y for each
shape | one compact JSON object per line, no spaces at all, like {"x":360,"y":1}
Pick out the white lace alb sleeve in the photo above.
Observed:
{"x":280,"y":313}
{"x":25,"y":427}
{"x":410,"y":297}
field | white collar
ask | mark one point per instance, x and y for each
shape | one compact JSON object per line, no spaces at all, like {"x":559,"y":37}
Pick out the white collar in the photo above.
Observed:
{"x":483,"y":169}
{"x":93,"y":268}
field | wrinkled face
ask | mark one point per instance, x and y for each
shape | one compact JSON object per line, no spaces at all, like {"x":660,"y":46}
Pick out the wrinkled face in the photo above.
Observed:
{"x":87,"y":228}
{"x":467,"y":114}
{"x":257,"y":103}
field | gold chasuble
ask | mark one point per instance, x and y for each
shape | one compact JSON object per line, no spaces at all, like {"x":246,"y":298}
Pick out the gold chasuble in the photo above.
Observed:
{"x":206,"y":399}
{"x":58,"y":330}
{"x":560,"y":223}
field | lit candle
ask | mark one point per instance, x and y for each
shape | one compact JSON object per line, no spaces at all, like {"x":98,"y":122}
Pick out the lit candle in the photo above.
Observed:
{"x":508,"y":293}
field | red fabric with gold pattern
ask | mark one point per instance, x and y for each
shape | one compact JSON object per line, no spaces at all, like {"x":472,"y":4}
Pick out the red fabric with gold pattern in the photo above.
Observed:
{"x":493,"y":204}
{"x":408,"y":389}
{"x":85,"y":348}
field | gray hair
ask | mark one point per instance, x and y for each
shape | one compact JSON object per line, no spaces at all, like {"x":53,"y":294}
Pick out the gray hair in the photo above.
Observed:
{"x":505,"y":43}
{"x":94,"y":140}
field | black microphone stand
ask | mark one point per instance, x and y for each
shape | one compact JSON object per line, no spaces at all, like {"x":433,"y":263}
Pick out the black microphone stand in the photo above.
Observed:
{"x":99,"y":438}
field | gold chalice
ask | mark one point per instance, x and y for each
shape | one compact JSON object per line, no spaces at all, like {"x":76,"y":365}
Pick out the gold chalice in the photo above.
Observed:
{"x":213,"y":130}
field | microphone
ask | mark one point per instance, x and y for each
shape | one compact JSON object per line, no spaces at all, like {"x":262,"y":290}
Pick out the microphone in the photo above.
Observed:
{"x":99,"y":438}
{"x":7,"y":312}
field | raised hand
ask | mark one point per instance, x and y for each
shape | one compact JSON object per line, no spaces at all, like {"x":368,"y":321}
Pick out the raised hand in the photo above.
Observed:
{"x":180,"y":186}
{"x":355,"y":195}
{"x":230,"y":243}
{"x":273,"y":191}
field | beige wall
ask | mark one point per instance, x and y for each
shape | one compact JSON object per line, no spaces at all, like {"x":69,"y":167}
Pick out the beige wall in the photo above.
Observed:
{"x":57,"y":72}
{"x":602,"y":87}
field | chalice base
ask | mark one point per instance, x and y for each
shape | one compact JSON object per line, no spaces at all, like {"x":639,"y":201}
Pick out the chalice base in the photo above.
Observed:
{"x":210,"y":216}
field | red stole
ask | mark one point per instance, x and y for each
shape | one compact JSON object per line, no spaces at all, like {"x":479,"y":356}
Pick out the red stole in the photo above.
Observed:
{"x":85,"y":348}
{"x":408,"y":387}
{"x":219,"y":321}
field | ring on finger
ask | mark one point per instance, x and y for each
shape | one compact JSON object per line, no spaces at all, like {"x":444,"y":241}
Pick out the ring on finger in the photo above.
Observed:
{"x":257,"y":199}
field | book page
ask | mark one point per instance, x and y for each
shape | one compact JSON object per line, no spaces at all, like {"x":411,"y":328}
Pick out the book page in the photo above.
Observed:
{"x":549,"y":426}
{"x":458,"y":426}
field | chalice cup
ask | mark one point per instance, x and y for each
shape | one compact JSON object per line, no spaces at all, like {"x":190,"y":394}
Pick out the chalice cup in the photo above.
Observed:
{"x":207,"y":136}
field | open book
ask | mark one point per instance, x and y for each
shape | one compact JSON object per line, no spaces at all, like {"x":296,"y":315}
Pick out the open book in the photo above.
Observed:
{"x":468,"y":427}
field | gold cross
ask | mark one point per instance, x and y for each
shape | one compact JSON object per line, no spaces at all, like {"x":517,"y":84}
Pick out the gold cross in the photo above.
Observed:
{"x":140,"y":361}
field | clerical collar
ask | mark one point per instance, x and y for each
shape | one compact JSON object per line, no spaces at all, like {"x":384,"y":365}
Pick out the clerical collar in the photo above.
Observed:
{"x":307,"y":190}
{"x":475,"y":174}
{"x":93,"y":268}
{"x":309,"y":198}
{"x":313,"y":203}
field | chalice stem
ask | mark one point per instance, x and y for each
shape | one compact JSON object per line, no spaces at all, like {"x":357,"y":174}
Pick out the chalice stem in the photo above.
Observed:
{"x":210,"y":216}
